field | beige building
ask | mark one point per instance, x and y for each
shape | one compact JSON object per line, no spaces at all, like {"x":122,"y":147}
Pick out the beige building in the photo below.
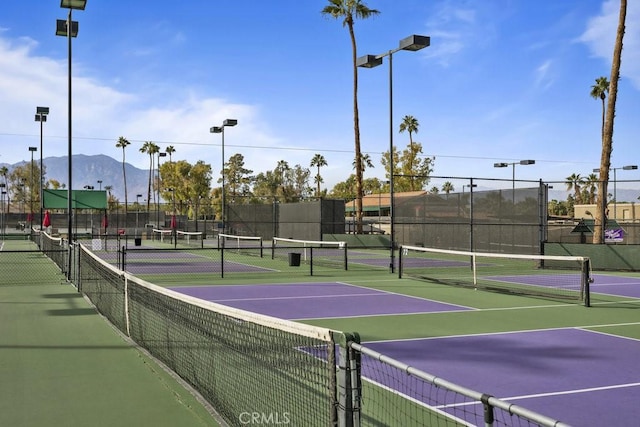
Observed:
{"x":618,"y":211}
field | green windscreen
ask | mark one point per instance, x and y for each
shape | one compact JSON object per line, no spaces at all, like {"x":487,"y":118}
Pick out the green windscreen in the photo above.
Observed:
{"x":80,"y":199}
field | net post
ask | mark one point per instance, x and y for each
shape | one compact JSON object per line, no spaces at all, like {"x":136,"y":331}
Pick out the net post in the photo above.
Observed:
{"x":489,"y":416}
{"x":586,"y":281}
{"x":346,"y":260}
{"x":273,"y":248}
{"x":310,"y":261}
{"x":400,"y":262}
{"x":222,"y":261}
{"x":349,"y":384}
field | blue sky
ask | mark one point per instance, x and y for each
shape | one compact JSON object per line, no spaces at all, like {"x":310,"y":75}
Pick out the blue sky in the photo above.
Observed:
{"x":503,"y":80}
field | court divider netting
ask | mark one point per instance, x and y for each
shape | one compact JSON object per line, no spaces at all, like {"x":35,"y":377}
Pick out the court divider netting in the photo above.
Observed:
{"x":243,"y":363}
{"x":554,"y":277}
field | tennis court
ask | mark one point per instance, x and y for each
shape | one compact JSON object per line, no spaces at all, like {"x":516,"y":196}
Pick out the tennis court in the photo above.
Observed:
{"x":510,"y":327}
{"x":298,"y":301}
{"x":581,"y":375}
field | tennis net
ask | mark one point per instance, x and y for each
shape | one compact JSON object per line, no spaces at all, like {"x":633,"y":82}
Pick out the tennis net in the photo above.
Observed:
{"x":240,"y":362}
{"x":556,"y":277}
{"x":190,"y":238}
{"x":245,"y":245}
{"x":330,"y":254}
{"x":162,"y":234}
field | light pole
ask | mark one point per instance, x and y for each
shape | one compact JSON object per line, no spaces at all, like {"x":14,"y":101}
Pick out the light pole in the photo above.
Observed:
{"x":137,"y":212}
{"x":100,"y":184}
{"x":31,"y":184}
{"x":41,"y":116}
{"x":513,"y":174}
{"x":3,"y":213}
{"x":220,"y":129}
{"x":69,"y":29}
{"x":615,"y":190}
{"x":160,"y":154}
{"x":3,"y":217}
{"x":411,"y":43}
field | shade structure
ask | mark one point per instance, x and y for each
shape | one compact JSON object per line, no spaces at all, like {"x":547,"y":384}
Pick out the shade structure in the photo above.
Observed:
{"x":46,"y":222}
{"x":174,"y":223}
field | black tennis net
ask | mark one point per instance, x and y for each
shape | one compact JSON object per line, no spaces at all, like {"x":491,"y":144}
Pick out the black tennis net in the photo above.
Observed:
{"x":240,"y":362}
{"x":556,"y":277}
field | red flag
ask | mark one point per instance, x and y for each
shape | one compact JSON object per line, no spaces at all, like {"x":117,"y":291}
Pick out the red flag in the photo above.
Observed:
{"x":47,"y":219}
{"x":105,"y":222}
{"x":174,"y":223}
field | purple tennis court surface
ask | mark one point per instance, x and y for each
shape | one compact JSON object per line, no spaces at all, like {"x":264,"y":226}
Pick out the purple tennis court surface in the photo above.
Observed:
{"x":580,"y":377}
{"x":602,"y":283}
{"x":315,"y":300}
{"x":616,"y":285}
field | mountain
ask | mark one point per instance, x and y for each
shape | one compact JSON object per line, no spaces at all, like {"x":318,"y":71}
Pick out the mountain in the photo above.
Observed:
{"x":88,"y":170}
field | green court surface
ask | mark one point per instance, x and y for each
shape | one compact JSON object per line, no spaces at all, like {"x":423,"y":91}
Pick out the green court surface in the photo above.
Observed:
{"x":62,"y":364}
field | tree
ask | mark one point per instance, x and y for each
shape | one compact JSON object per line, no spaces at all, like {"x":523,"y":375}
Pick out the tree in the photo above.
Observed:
{"x":447,"y":187}
{"x":170,"y":150}
{"x":238,"y":178}
{"x":318,"y":161}
{"x":410,"y":124}
{"x":151,"y":149}
{"x":574,"y":182}
{"x":123,"y":143}
{"x":349,"y":10}
{"x":599,"y":91}
{"x":590,"y":186}
{"x":607,"y":133}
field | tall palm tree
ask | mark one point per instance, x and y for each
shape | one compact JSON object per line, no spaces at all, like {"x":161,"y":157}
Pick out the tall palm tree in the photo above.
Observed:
{"x":599,"y":91}
{"x":318,"y":161}
{"x":170,"y":150}
{"x":123,"y":143}
{"x":348,"y":11}
{"x":574,"y":182}
{"x":607,"y":134}
{"x":149,"y":148}
{"x":410,"y":124}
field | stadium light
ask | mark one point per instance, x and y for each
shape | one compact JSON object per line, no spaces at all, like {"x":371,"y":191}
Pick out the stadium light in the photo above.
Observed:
{"x":412,"y":44}
{"x":220,"y":130}
{"x":69,"y":29}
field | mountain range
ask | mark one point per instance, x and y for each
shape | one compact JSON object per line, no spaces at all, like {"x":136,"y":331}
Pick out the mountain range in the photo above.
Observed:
{"x":88,"y":170}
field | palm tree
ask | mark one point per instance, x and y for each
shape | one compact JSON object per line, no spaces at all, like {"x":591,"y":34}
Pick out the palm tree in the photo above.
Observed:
{"x":447,"y":187}
{"x":123,"y":143}
{"x":590,"y":188}
{"x":607,"y":133}
{"x":149,"y":148}
{"x":410,"y":124}
{"x":318,"y":161}
{"x":574,"y":182}
{"x":365,"y":162}
{"x":599,"y":91}
{"x":170,"y":150}
{"x":349,"y":10}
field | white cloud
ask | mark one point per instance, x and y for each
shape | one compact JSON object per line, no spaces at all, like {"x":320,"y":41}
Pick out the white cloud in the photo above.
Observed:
{"x":600,"y":36}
